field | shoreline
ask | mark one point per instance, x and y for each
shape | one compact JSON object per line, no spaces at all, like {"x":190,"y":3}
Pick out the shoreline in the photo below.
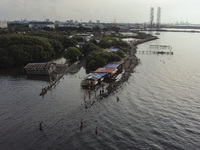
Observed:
{"x":130,"y":62}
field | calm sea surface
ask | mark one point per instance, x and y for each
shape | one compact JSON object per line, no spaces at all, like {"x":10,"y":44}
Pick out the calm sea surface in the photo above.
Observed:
{"x":159,"y":106}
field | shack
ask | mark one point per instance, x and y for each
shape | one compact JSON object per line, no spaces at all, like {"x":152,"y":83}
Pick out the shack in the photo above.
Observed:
{"x":109,"y":71}
{"x":117,"y":66}
{"x":112,"y":65}
{"x":93,"y":79}
{"x":40,"y":68}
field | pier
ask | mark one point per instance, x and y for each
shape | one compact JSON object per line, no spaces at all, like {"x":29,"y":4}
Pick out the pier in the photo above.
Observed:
{"x":45,"y":89}
{"x":160,"y":49}
{"x":155,"y":52}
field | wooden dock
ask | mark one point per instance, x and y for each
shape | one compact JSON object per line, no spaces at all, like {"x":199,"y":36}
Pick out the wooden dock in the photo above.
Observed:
{"x":156,"y":52}
{"x":45,"y":89}
{"x":158,"y":49}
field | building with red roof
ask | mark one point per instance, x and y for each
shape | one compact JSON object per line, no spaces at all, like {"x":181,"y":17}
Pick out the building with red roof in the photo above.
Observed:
{"x":109,"y":71}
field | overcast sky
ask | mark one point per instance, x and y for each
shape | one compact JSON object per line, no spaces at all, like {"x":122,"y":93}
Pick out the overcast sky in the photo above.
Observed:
{"x":123,"y":11}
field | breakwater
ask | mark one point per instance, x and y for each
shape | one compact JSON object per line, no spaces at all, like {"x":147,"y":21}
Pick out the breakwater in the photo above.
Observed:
{"x":130,"y":62}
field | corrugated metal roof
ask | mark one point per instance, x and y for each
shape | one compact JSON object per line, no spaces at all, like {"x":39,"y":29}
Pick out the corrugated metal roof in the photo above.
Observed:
{"x":111,"y":65}
{"x":98,"y":75}
{"x":95,"y":75}
{"x":114,"y":48}
{"x":39,"y":65}
{"x":104,"y":70}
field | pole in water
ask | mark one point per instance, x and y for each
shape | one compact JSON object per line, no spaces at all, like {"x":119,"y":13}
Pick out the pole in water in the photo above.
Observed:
{"x":96,"y":131}
{"x":89,"y":94}
{"x":81,"y":125}
{"x":95,"y":92}
{"x":40,"y":125}
{"x":117,"y":98}
{"x":84,"y":97}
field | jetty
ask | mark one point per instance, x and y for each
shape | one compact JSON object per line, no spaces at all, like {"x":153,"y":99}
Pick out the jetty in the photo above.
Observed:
{"x":158,"y":49}
{"x":45,"y":89}
{"x":155,"y":52}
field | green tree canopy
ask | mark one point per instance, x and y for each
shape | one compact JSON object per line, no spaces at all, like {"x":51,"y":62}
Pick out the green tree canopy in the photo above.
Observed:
{"x":72,"y":53}
{"x":109,"y":41}
{"x":97,"y":59}
{"x":62,"y":39}
{"x":56,"y":45}
{"x":19,"y":49}
{"x":120,"y":53}
{"x":89,"y":47}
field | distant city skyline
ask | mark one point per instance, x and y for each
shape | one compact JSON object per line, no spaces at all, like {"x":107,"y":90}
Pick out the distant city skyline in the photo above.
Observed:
{"x":120,"y":11}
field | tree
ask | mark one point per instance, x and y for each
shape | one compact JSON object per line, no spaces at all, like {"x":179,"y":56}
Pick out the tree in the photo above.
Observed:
{"x":6,"y":62}
{"x":97,"y":59}
{"x":106,"y":42}
{"x":96,"y":63}
{"x":72,"y":53}
{"x":19,"y":49}
{"x":89,"y":47}
{"x":69,"y":42}
{"x":113,"y":57}
{"x":120,"y":53}
{"x":56,"y":45}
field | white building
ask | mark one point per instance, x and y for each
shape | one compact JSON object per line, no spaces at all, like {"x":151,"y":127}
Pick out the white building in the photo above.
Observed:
{"x":3,"y":24}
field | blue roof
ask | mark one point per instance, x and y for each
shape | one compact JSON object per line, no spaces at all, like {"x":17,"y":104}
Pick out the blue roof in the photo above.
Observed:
{"x":114,"y":48}
{"x":96,"y":75}
{"x":111,"y":66}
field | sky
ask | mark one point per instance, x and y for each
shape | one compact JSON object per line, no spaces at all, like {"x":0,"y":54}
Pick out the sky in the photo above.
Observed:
{"x":120,"y":11}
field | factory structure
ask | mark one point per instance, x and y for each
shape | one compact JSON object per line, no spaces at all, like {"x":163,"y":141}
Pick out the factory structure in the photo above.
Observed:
{"x":151,"y":22}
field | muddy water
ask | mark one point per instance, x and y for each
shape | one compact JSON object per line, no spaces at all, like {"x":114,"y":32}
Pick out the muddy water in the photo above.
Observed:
{"x":158,"y":106}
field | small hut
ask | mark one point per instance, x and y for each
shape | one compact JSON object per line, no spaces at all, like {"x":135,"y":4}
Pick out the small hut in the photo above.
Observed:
{"x":40,"y":68}
{"x":109,"y":71}
{"x":93,"y":79}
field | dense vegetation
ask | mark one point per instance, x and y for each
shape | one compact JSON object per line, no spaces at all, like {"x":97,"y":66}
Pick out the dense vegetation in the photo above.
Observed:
{"x":58,"y":41}
{"x":20,"y":45}
{"x":97,"y":57}
{"x":20,"y":49}
{"x":72,"y":53}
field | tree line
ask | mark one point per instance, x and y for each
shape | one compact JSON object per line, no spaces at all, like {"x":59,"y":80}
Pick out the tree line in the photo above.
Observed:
{"x":20,"y":49}
{"x":95,"y":54}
